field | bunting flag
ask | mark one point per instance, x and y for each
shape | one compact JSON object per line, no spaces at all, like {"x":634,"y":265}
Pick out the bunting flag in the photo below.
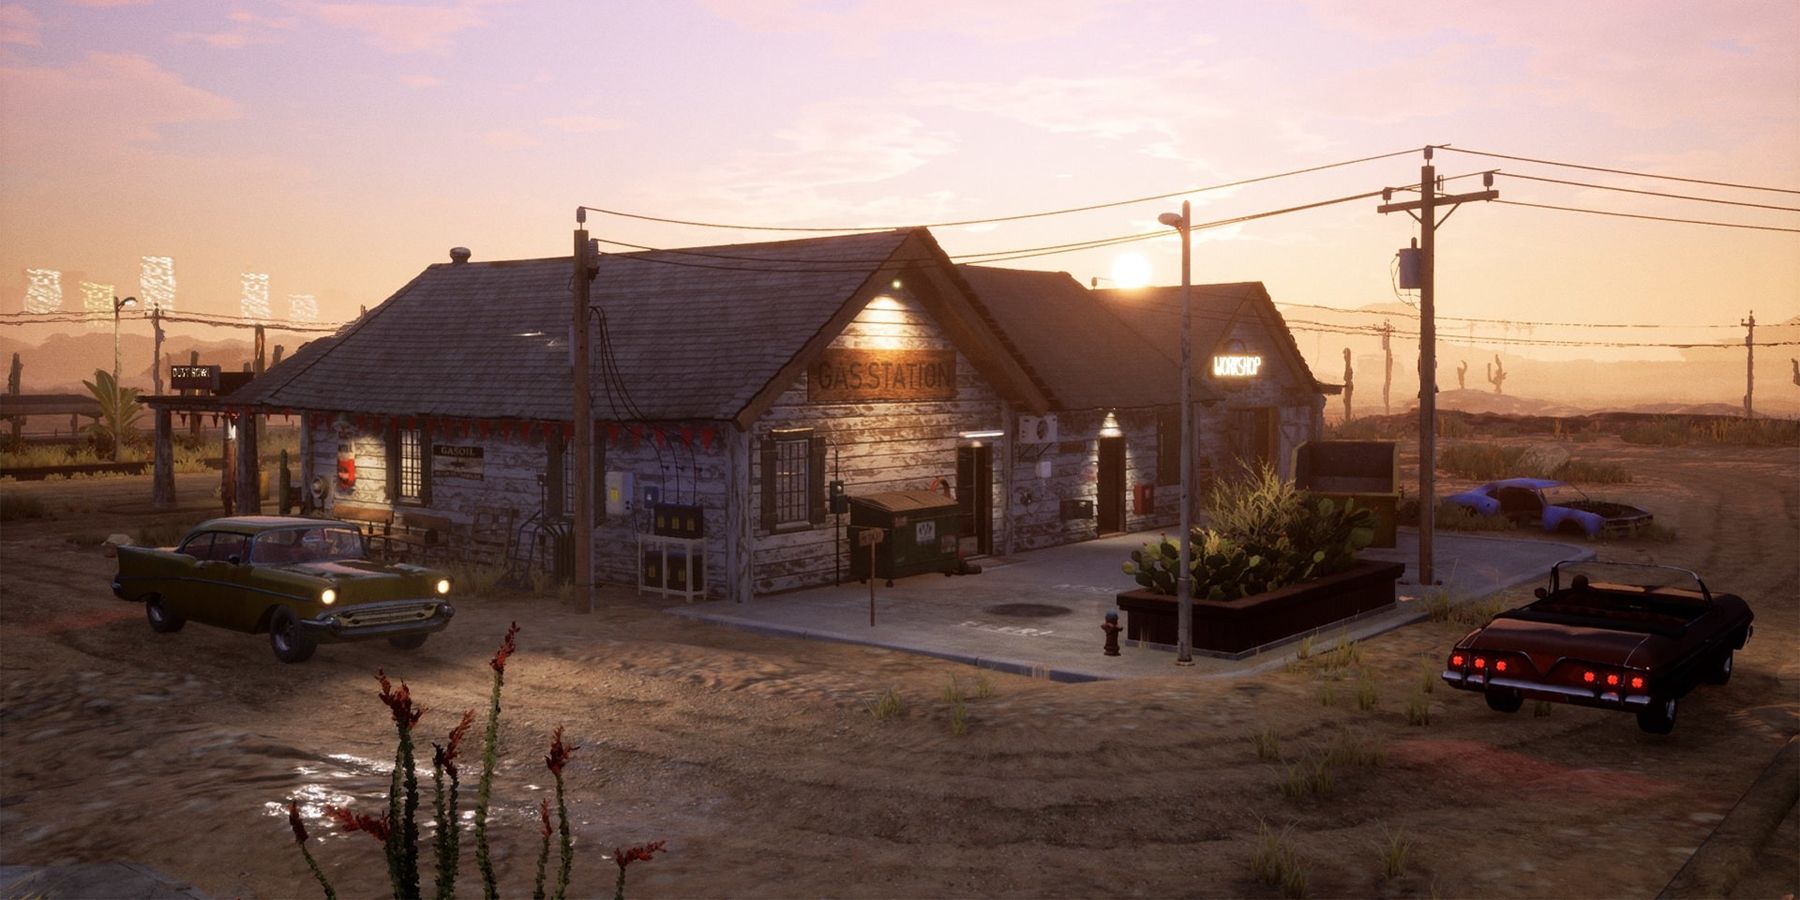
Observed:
{"x":706,"y":437}
{"x":660,"y":437}
{"x":612,"y":432}
{"x":687,"y":435}
{"x":568,"y":432}
{"x":483,"y":427}
{"x":362,"y":423}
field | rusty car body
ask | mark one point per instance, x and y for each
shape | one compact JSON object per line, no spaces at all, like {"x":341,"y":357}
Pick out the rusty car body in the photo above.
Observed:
{"x":1557,"y":506}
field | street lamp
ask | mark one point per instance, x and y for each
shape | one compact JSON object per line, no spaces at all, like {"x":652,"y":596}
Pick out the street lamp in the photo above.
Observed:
{"x":118,"y":305}
{"x":1184,"y":578}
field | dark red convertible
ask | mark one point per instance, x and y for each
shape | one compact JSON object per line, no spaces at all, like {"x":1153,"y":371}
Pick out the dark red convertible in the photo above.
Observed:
{"x":1636,"y":641}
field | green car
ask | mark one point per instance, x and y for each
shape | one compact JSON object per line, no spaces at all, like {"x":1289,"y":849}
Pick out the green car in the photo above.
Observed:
{"x":304,"y":581}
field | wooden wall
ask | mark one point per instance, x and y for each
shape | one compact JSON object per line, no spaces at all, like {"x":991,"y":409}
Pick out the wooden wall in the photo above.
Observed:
{"x":1075,"y":475}
{"x":873,"y":447}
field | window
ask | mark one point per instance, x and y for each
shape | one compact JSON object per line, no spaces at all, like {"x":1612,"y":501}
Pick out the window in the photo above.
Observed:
{"x":199,"y":546}
{"x":793,"y":480}
{"x":409,"y":471}
{"x":230,"y":547}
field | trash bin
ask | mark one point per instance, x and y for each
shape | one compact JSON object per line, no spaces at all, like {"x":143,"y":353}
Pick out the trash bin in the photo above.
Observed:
{"x":922,"y":528}
{"x":1367,"y":472}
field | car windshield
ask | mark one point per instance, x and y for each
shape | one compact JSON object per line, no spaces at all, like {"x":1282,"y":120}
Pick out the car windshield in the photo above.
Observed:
{"x":307,"y":545}
{"x":1649,"y":576}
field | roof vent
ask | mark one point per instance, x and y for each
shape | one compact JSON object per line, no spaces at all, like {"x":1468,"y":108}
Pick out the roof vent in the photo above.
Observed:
{"x":459,"y":255}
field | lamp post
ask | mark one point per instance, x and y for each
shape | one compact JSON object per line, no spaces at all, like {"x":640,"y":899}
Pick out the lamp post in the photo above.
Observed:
{"x":1184,"y":578}
{"x":118,"y":305}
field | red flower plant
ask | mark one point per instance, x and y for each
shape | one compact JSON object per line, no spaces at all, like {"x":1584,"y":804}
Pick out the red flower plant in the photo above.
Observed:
{"x":376,"y":828}
{"x":295,"y":823}
{"x":446,"y":755}
{"x":635,"y":854}
{"x":559,"y":755}
{"x":544,"y":816}
{"x":399,"y":701}
{"x":507,"y":646}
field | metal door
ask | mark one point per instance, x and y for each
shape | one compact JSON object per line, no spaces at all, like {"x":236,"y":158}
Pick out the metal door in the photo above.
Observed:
{"x":1111,"y":502}
{"x":975,"y":495}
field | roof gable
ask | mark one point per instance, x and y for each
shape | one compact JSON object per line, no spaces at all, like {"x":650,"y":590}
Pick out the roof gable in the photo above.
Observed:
{"x":1217,"y":308}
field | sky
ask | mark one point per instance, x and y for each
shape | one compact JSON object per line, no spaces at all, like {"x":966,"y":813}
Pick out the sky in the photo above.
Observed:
{"x":340,"y":147}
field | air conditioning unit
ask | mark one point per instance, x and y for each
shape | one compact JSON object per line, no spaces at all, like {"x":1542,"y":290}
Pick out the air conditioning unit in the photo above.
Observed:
{"x":1037,"y":429}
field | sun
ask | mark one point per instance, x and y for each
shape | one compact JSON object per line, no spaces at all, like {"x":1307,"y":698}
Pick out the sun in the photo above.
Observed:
{"x":1130,"y":270}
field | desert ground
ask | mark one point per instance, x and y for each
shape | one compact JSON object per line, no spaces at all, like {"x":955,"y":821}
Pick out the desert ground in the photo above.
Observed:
{"x":758,"y":760}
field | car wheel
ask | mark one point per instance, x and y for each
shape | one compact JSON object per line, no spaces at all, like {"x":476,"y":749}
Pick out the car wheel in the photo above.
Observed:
{"x":408,"y":641}
{"x":286,"y":639}
{"x":1505,"y":701}
{"x":1659,"y":718}
{"x":1720,"y":671}
{"x":161,"y":620}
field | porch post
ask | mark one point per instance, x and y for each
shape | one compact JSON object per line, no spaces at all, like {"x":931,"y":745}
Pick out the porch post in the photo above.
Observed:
{"x":249,"y":482}
{"x":739,"y":539}
{"x":162,"y":466}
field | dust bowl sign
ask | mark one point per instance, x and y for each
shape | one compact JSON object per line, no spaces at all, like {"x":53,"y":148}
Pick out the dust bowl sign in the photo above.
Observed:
{"x":849,"y":376}
{"x":449,"y":461}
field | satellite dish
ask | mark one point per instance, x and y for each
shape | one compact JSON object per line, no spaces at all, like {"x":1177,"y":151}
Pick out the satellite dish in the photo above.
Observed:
{"x":318,"y":487}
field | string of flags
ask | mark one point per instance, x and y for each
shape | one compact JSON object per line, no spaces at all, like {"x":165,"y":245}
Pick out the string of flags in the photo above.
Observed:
{"x":618,"y":433}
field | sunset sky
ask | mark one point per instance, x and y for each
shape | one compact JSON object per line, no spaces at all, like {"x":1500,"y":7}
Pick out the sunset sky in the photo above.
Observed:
{"x":341,"y":147}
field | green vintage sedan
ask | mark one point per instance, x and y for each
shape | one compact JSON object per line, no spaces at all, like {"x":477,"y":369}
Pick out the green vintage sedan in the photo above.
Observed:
{"x":303,"y":581}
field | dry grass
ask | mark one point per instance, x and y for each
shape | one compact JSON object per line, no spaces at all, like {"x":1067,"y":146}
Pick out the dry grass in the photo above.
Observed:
{"x":1418,"y":710}
{"x":14,"y":507}
{"x":1276,"y":863}
{"x":1394,"y":848}
{"x":887,"y":706}
{"x":1310,"y":777}
{"x":1541,"y":708}
{"x":1268,"y":744}
{"x":1366,"y":697}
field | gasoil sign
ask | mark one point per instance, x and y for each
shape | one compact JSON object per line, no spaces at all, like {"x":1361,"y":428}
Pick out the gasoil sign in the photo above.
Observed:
{"x":453,"y":461}
{"x":850,"y":375}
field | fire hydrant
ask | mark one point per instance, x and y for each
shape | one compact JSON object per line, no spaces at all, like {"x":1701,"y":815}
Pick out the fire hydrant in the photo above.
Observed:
{"x":1112,"y":629}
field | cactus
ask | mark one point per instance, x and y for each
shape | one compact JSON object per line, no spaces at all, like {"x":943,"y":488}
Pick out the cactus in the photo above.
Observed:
{"x":1349,"y":383}
{"x":12,"y":390}
{"x":1496,"y":375}
{"x":1462,"y":375}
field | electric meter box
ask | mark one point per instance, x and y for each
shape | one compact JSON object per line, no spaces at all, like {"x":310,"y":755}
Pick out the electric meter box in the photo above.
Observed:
{"x":922,"y":530}
{"x":618,"y":493}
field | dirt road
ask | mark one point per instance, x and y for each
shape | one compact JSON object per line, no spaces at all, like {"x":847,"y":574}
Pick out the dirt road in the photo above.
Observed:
{"x":755,"y":757}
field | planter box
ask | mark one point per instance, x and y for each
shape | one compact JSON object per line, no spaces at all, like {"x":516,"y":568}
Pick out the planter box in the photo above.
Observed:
{"x":1232,"y":626}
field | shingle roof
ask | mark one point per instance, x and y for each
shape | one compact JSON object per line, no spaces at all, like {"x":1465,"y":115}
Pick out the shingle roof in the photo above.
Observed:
{"x":1080,"y":348}
{"x":1155,"y":313}
{"x":694,"y":333}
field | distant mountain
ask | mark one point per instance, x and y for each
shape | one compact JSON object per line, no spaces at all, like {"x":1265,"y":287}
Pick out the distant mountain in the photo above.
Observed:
{"x":63,"y":361}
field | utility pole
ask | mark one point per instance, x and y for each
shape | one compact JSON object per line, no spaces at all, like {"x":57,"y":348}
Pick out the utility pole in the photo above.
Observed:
{"x":1749,"y":364}
{"x":585,"y":269}
{"x":1387,"y":378}
{"x":1426,"y":216}
{"x":156,"y":355}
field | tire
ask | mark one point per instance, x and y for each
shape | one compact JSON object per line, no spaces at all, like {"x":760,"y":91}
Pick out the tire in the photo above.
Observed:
{"x":1660,"y":717}
{"x":1505,"y":701}
{"x":1720,"y":670}
{"x":408,"y":641}
{"x":161,"y":620}
{"x":286,"y":639}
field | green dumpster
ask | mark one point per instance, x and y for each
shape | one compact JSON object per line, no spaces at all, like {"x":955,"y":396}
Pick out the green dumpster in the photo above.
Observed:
{"x":921,"y":531}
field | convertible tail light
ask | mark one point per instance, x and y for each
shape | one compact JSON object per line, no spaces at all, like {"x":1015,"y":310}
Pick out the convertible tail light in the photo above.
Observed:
{"x":1637,"y":682}
{"x":1480,"y":662}
{"x":1456,"y":660}
{"x":1588,"y":676}
{"x":1612,"y":679}
{"x":1499,"y":665}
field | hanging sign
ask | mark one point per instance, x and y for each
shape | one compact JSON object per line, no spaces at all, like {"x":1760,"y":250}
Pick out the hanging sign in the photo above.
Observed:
{"x":456,"y":461}
{"x":1235,"y":362}
{"x":851,"y":375}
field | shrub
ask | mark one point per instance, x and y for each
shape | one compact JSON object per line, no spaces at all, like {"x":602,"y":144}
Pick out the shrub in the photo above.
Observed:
{"x":959,"y":718}
{"x":1309,"y":777}
{"x":1482,"y":462}
{"x":1418,"y":710}
{"x":1349,"y":748}
{"x":1268,"y":744}
{"x":1328,"y":694}
{"x":1587,"y":471}
{"x":886,"y":706}
{"x":1451,"y":517}
{"x":1394,"y":847}
{"x":1265,"y":534}
{"x":14,"y":507}
{"x":984,"y":686}
{"x":1366,"y":698}
{"x":1275,"y":862}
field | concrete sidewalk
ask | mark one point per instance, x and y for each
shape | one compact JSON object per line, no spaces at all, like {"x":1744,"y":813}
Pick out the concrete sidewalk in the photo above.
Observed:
{"x":1058,"y":598}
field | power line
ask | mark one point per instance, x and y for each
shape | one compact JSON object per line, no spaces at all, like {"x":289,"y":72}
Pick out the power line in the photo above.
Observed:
{"x":1012,"y":218}
{"x":1567,"y":165}
{"x":1411,"y":314}
{"x":1625,"y":215}
{"x":856,"y":266}
{"x":1608,"y":187}
{"x":72,"y":317}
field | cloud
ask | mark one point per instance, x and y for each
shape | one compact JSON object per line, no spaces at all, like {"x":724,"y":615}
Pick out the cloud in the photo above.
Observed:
{"x":584,"y":124}
{"x":405,"y":28}
{"x":420,"y":82}
{"x":508,"y":139}
{"x":994,"y":20}
{"x":19,"y":25}
{"x":108,"y":4}
{"x":125,"y":97}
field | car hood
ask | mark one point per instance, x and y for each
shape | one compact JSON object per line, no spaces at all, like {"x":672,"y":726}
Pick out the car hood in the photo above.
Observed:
{"x":1548,"y":642}
{"x":350,"y":569}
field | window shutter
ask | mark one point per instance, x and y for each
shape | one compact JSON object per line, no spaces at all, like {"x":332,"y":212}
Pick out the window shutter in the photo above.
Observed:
{"x":815,"y":485}
{"x":393,"y":464}
{"x":425,"y":465}
{"x":768,"y":485}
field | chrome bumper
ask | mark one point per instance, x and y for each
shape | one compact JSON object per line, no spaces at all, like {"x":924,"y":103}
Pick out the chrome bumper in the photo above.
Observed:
{"x":393,"y":618}
{"x":1541,"y":691}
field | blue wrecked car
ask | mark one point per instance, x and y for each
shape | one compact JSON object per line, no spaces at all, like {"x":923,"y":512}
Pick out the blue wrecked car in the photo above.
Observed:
{"x":1555,"y":505}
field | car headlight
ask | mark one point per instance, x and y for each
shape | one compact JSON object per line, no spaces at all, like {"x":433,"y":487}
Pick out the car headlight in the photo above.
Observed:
{"x":443,"y":586}
{"x":328,"y":596}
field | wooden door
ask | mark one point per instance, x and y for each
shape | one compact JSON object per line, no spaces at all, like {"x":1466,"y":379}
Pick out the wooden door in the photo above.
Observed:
{"x":1253,"y":438}
{"x":1111,"y":502}
{"x":975,"y":495}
